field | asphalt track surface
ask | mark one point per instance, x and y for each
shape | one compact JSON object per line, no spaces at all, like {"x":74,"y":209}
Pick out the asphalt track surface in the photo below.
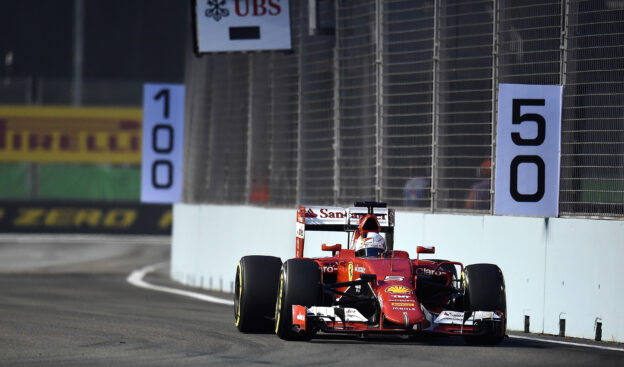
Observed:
{"x":65,"y":302}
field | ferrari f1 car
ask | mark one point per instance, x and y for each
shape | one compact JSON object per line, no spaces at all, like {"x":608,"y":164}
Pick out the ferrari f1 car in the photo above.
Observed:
{"x":363,"y":293}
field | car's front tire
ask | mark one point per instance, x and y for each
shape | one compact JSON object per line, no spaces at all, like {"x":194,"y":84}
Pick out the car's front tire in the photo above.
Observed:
{"x":484,"y":290}
{"x":299,"y":285}
{"x":257,"y":279}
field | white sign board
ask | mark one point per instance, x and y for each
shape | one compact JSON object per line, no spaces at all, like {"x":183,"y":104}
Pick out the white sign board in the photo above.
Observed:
{"x":163,"y":140}
{"x":242,"y":25}
{"x":528,"y":150}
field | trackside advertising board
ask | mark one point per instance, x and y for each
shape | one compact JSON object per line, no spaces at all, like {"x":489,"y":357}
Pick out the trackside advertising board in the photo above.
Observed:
{"x":242,"y":25}
{"x":163,"y":142}
{"x":70,"y":134}
{"x":528,"y":150}
{"x":85,"y":217}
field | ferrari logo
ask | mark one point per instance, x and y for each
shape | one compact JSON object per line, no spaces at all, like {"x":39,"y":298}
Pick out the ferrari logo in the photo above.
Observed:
{"x":350,"y":271}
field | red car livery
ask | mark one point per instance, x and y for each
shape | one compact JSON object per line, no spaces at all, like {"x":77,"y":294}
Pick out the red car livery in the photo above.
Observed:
{"x":345,"y":293}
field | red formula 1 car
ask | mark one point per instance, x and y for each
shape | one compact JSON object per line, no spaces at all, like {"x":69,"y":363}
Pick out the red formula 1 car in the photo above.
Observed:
{"x":368,"y":287}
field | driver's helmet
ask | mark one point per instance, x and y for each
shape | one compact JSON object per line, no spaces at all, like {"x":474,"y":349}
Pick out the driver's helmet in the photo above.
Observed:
{"x":370,"y":245}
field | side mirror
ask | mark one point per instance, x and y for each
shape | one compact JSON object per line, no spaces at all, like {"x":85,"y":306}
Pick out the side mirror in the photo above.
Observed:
{"x":425,"y":250}
{"x":332,"y":248}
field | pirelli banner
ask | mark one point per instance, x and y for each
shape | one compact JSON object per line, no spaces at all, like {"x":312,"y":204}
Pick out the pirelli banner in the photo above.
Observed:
{"x":72,"y":135}
{"x":85,"y":217}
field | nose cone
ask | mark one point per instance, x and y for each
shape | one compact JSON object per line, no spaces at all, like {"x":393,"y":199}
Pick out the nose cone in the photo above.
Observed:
{"x":399,"y":306}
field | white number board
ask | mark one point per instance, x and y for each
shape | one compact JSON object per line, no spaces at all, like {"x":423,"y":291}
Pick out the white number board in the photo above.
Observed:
{"x":242,"y":25}
{"x":528,"y":150}
{"x":163,"y":139}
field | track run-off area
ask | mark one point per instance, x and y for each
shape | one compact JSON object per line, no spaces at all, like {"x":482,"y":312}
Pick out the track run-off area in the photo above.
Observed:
{"x":106,"y":300}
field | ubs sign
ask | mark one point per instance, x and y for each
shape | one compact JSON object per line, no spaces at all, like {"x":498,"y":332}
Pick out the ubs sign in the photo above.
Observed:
{"x":242,"y":25}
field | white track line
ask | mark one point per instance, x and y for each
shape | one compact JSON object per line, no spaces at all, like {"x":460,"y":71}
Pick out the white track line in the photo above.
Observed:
{"x":136,"y":278}
{"x":566,"y":343}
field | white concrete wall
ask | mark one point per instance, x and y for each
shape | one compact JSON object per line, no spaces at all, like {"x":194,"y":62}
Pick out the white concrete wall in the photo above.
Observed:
{"x":560,"y":268}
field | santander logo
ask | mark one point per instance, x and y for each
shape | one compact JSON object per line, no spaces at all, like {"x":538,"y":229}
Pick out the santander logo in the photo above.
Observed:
{"x":324,"y":213}
{"x":329,"y":214}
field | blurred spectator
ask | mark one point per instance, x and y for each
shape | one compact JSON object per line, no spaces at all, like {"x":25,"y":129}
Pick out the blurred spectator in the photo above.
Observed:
{"x":259,"y":191}
{"x":415,"y":191}
{"x":479,"y":197}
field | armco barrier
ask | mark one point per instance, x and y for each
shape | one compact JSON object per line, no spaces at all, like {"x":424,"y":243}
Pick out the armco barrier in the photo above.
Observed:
{"x":554,"y":268}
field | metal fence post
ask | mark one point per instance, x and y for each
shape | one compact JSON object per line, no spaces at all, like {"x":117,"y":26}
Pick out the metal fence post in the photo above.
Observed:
{"x":563,"y":58}
{"x":336,"y":71}
{"x":78,"y":52}
{"x":436,"y":104}
{"x":565,"y":8}
{"x":249,"y":125}
{"x":495,"y":25}
{"x":379,"y":91}
{"x":299,"y":112}
{"x":212,"y":118}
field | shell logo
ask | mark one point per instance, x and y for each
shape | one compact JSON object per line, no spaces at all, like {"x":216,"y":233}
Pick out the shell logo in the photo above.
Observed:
{"x":398,"y":289}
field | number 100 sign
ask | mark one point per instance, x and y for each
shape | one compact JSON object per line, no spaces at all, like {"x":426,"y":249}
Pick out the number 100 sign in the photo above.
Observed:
{"x":528,"y":150}
{"x":163,"y":139}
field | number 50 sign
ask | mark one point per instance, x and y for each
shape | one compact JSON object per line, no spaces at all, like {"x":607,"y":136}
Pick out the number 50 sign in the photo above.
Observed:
{"x":528,"y":150}
{"x":163,"y":139}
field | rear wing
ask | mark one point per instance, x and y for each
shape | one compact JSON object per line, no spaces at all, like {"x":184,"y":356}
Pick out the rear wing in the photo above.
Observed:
{"x":338,"y":219}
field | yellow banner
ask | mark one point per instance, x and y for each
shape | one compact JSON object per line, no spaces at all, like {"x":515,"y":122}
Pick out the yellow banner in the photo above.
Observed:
{"x":67,"y":134}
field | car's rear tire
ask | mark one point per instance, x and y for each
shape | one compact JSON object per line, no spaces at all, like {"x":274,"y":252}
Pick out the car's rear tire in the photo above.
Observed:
{"x":299,"y":285}
{"x":257,"y":279}
{"x":484,"y":290}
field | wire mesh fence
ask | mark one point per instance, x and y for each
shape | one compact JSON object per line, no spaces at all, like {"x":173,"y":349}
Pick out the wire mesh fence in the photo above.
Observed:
{"x":357,"y":92}
{"x":592,"y":159}
{"x":395,"y":100}
{"x":465,"y":94}
{"x":408,"y":69}
{"x":317,"y":145}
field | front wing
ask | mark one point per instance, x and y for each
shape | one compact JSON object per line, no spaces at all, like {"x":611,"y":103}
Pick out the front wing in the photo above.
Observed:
{"x":350,"y":320}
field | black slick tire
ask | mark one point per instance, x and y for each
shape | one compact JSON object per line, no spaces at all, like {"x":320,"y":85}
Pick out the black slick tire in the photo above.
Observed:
{"x":257,"y":279}
{"x":484,"y":290}
{"x":299,"y":285}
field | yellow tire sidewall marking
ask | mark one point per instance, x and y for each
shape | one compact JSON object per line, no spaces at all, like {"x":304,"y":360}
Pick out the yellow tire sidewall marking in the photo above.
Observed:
{"x":240,"y":292}
{"x":279,"y":301}
{"x":464,"y":281}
